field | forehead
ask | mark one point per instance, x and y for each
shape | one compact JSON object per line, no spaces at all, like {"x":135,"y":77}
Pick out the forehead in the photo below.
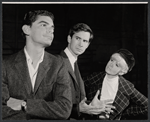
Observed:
{"x":119,"y":59}
{"x":82,"y":34}
{"x":44,"y":19}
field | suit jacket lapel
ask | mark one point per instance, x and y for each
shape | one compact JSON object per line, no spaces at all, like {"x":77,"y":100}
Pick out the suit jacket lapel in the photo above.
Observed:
{"x":22,"y":71}
{"x":69,"y":67}
{"x":42,"y":71}
{"x":78,"y":85}
{"x":71,"y":70}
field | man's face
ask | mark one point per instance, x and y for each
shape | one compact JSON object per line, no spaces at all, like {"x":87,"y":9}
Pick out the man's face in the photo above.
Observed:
{"x":41,"y":31}
{"x":116,"y":65}
{"x":79,"y":42}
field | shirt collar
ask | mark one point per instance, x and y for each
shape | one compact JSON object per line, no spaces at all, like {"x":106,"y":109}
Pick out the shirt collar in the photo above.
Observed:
{"x":29,"y":58}
{"x":111,"y":80}
{"x":70,"y":56}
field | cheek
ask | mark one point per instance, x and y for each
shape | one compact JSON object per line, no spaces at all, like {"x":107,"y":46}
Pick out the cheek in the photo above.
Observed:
{"x":107,"y":65}
{"x":34,"y":35}
{"x":73,"y":43}
{"x":86,"y":46}
{"x":116,"y":70}
{"x":37,"y":33}
{"x":72,"y":46}
{"x":40,"y":31}
{"x":52,"y":36}
{"x":107,"y":69}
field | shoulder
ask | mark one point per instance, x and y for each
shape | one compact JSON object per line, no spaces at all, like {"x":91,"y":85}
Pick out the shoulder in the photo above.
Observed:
{"x":96,"y":76}
{"x":55,"y":59}
{"x":63,"y":57}
{"x":52,"y":56}
{"x":11,"y":58}
{"x":125,"y":81}
{"x":126,"y":85}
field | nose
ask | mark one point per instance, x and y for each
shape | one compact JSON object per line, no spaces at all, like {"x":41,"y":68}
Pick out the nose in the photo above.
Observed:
{"x":50,"y":30}
{"x":81,"y":43}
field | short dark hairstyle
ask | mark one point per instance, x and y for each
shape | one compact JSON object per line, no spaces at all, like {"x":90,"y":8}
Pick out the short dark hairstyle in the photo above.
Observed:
{"x":32,"y":16}
{"x":128,"y":57}
{"x":81,"y":27}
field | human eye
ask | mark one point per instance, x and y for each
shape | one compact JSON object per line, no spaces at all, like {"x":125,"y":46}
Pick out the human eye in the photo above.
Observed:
{"x":86,"y":41}
{"x":43,"y":24}
{"x":111,"y":59}
{"x":77,"y":38}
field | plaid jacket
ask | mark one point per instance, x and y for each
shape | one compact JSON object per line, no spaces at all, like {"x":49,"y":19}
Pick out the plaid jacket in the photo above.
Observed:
{"x":126,"y":95}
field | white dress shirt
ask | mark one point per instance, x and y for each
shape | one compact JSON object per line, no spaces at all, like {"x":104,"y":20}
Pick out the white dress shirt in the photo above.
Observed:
{"x":72,"y":59}
{"x":32,"y":71}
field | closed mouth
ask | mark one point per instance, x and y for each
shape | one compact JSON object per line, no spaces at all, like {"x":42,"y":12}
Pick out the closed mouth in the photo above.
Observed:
{"x":80,"y":50}
{"x":49,"y":37}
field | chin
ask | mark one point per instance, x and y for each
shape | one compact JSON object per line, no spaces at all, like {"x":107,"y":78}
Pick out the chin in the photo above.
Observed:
{"x":47,"y":45}
{"x":108,"y":73}
{"x":77,"y":53}
{"x":80,"y":52}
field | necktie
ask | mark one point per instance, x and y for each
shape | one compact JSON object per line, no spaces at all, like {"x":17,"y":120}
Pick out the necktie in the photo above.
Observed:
{"x":76,"y":71}
{"x":79,"y":81}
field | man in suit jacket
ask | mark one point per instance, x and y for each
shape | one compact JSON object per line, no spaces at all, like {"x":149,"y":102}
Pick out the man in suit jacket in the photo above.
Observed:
{"x":79,"y":38}
{"x":112,"y":85}
{"x":35,"y":84}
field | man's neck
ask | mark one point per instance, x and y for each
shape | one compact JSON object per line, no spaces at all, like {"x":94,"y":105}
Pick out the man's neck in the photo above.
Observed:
{"x":34,"y":53}
{"x":111,"y":76}
{"x":76,"y":56}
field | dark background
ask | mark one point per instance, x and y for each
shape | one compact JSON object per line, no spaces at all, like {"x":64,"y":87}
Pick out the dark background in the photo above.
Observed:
{"x":115,"y":26}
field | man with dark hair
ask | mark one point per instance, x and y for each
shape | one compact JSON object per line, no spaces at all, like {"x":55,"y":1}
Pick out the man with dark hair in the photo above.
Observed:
{"x":35,"y":84}
{"x":79,"y":38}
{"x":112,"y":85}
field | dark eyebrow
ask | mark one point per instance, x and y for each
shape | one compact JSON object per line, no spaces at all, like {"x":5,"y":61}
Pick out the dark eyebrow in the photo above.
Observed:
{"x":81,"y":38}
{"x":45,"y":23}
{"x":78,"y":36}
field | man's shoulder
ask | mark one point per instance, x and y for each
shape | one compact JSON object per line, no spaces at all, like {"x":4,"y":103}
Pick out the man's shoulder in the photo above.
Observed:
{"x":54,"y":58}
{"x":49,"y":55}
{"x":95,"y":76}
{"x":11,"y":58}
{"x":98,"y":74}
{"x":63,"y":55}
{"x":126,"y":82}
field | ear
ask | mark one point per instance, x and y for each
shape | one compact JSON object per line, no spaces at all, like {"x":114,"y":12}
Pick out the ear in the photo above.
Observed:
{"x":69,"y":38}
{"x":26,"y":29}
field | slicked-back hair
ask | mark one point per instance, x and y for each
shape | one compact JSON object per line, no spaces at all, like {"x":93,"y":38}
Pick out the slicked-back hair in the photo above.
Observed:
{"x":81,"y":27}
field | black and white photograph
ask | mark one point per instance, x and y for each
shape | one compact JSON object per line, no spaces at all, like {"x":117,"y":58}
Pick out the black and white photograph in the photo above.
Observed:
{"x":74,"y":61}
